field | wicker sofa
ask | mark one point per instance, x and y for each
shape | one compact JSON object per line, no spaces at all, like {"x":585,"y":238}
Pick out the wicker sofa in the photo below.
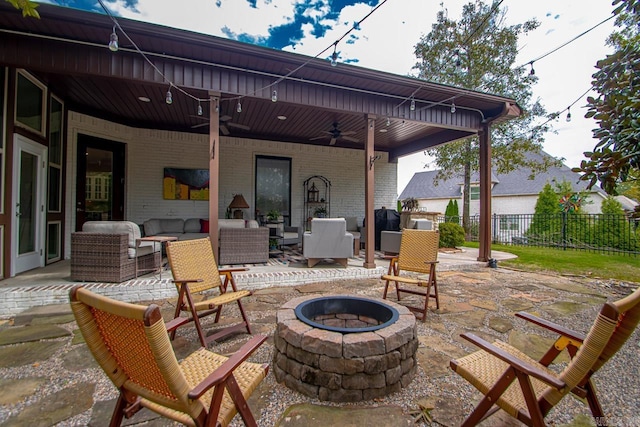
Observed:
{"x":240,"y":241}
{"x":104,"y":251}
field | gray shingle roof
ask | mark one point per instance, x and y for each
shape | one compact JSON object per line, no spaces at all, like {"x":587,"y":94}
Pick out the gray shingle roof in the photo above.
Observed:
{"x":516,"y":182}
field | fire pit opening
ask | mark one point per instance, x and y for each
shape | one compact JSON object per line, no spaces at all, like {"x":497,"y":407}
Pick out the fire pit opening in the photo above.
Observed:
{"x":346,"y":314}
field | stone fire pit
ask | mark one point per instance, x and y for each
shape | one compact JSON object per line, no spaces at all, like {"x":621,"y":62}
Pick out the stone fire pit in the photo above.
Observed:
{"x":357,"y":352}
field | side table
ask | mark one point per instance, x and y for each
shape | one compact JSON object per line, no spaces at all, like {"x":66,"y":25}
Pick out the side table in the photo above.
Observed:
{"x":154,"y":239}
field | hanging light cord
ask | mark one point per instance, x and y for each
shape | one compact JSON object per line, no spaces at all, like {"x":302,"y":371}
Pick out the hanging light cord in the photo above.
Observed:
{"x":280,"y":79}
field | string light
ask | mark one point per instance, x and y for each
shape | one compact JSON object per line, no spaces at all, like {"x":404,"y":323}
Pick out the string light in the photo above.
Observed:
{"x":199,"y":108}
{"x":568,"y":113}
{"x":458,"y":61}
{"x":533,"y":71}
{"x":388,"y":121}
{"x":412,"y":106}
{"x":113,"y":40}
{"x":169,"y":98}
{"x":453,"y":107}
{"x":239,"y":107}
{"x":334,"y":55}
{"x":217,"y":107}
{"x":274,"y":96}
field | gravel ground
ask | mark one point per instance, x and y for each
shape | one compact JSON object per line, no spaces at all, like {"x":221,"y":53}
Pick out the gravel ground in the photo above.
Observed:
{"x":618,"y":382}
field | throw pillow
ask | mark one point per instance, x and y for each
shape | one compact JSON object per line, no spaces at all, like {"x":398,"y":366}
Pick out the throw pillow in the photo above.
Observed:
{"x":204,"y":225}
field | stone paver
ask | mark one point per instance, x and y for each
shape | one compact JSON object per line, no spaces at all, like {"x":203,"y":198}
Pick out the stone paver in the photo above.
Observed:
{"x":308,"y":415}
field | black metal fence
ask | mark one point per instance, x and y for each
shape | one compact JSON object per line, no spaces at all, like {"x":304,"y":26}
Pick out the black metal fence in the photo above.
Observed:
{"x":590,"y":232}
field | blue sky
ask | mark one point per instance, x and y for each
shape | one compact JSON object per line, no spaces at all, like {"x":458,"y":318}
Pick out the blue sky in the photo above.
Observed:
{"x":386,"y":39}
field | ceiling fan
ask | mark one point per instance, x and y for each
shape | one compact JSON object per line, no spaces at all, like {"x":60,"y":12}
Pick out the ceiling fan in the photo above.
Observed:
{"x":336,"y":133}
{"x":225,"y":124}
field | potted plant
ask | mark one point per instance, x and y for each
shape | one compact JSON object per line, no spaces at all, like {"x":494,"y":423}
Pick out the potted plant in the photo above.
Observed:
{"x":320,"y":212}
{"x":273,"y":244}
{"x":273,"y":215}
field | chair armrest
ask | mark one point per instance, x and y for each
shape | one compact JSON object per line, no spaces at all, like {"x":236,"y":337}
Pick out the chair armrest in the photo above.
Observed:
{"x":176,"y":323}
{"x":231,"y":270}
{"x":186,"y":280}
{"x":227,"y":368}
{"x":554,"y":327}
{"x":516,"y":363}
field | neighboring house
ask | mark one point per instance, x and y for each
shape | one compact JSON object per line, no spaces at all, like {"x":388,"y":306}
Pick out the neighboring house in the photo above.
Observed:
{"x":512,"y":193}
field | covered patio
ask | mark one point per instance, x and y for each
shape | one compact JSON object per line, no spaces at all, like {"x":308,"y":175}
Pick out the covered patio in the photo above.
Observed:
{"x":120,"y":96}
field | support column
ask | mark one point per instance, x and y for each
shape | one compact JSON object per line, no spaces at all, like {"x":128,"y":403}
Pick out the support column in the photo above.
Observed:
{"x":484,"y":253}
{"x":369,"y":192}
{"x":214,"y":170}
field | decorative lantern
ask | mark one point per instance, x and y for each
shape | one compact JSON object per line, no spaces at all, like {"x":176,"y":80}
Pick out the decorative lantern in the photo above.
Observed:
{"x":313,"y":193}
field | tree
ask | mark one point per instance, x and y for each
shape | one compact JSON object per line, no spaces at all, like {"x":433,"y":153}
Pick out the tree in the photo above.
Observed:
{"x":28,"y":7}
{"x":612,"y":229}
{"x":617,"y":108}
{"x":452,"y":213}
{"x":546,"y":225}
{"x":478,"y":52}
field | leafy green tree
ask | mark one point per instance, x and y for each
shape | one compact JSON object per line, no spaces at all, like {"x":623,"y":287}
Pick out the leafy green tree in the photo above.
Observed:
{"x":28,"y":7}
{"x":616,"y":110}
{"x":612,"y":228}
{"x":478,"y":52}
{"x":451,"y":213}
{"x":545,"y":222}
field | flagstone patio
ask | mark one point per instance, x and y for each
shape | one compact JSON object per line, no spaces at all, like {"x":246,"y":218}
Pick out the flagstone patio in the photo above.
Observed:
{"x":48,"y":376}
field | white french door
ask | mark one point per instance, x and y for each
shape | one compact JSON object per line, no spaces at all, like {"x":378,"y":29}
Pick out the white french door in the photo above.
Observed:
{"x":28,"y":207}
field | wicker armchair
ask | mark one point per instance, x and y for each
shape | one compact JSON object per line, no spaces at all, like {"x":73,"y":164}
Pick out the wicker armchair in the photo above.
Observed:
{"x":201,"y":292}
{"x":131,"y":345}
{"x":102,"y":257}
{"x":493,"y":370}
{"x":418,"y":254}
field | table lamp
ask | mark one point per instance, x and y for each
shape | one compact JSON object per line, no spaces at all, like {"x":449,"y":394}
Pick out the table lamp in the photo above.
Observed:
{"x":238,"y":203}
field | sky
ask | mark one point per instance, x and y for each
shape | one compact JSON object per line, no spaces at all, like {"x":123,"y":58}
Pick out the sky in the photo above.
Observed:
{"x":385,"y":41}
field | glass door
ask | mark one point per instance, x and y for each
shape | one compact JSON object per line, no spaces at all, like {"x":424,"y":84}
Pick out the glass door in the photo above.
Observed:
{"x":29,"y":203}
{"x":100,"y":180}
{"x":273,"y":187}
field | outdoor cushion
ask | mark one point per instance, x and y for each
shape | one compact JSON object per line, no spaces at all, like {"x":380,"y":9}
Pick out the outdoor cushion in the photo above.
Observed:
{"x":192,"y":225}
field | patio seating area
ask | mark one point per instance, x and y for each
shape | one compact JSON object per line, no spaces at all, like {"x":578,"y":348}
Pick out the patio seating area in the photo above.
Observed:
{"x":52,"y":366}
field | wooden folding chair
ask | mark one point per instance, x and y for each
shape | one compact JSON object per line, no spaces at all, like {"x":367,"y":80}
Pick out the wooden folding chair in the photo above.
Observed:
{"x":131,"y":344}
{"x":418,"y":254}
{"x":493,"y":370}
{"x":201,"y":291}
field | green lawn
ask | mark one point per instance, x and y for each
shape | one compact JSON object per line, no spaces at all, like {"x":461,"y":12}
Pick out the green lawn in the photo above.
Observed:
{"x":590,"y":264}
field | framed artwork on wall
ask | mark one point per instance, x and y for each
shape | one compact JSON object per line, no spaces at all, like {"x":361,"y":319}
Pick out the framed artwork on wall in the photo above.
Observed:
{"x":185,"y":184}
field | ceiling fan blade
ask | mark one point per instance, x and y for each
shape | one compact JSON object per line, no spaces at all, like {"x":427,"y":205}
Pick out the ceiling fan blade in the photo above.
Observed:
{"x":199,"y":125}
{"x":349,"y":138}
{"x":224,"y":130}
{"x":225,"y":118}
{"x":332,"y":142}
{"x":349,"y":132}
{"x":199,"y":117}
{"x":316,"y":138}
{"x":238,"y":126}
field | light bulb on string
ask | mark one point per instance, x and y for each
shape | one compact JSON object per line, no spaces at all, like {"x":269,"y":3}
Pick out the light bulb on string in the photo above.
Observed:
{"x":412,"y":106}
{"x":458,"y":61}
{"x":239,"y":107}
{"x":217,"y":106}
{"x":568,"y":114}
{"x":199,"y":108}
{"x":274,"y":96}
{"x":113,"y":40}
{"x":334,"y":55}
{"x":453,"y":107}
{"x":533,"y":71}
{"x":388,"y":121}
{"x":169,"y":98}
